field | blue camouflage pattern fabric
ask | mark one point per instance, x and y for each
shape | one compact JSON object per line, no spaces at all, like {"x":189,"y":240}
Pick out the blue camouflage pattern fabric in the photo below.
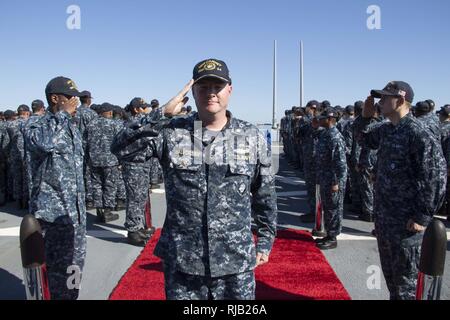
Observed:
{"x":121,"y":193}
{"x":354,"y":152}
{"x":136,"y":178}
{"x":136,"y":175}
{"x":12,"y":127}
{"x":65,"y":252}
{"x":309,"y":137}
{"x":17,"y":153}
{"x":343,"y":123}
{"x":182,"y":286}
{"x":445,"y":142}
{"x":4,"y":146}
{"x":104,"y":165}
{"x":55,"y":154}
{"x":331,"y":170}
{"x":83,"y":117}
{"x":99,"y":136}
{"x":210,"y":204}
{"x":431,"y":122}
{"x":410,"y":184}
{"x":366,"y":164}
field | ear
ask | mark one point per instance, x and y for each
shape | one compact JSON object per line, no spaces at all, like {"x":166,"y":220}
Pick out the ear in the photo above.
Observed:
{"x":400,"y":101}
{"x":230,"y":88}
{"x":54,"y":99}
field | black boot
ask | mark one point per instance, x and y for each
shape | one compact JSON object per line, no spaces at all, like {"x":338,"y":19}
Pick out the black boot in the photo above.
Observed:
{"x":108,"y":216}
{"x":136,"y":239}
{"x":100,"y":215}
{"x":120,"y":205}
{"x":328,"y":243}
{"x":320,"y":240}
{"x":147,"y":233}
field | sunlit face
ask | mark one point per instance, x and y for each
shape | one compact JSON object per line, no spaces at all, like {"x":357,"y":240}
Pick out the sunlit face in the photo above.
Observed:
{"x":389,"y":104}
{"x":24,"y":114}
{"x":211,"y":95}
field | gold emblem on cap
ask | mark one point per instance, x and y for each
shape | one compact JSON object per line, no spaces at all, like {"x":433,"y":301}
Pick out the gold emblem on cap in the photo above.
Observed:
{"x":209,"y":65}
{"x":72,"y":85}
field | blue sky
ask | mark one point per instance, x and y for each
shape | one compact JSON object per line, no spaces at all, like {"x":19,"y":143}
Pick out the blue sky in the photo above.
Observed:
{"x":148,"y":49}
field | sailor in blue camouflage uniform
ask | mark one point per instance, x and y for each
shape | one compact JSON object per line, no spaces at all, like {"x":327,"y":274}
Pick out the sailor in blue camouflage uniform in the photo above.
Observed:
{"x":55,"y":152}
{"x":424,"y":112}
{"x":354,"y":153}
{"x":18,"y":157}
{"x":155,"y":167}
{"x":444,"y":118}
{"x":347,"y":118}
{"x":217,"y":173}
{"x":136,"y":174}
{"x":121,"y":194}
{"x":4,"y":145}
{"x":308,"y":136}
{"x":331,"y":175}
{"x":298,"y":121}
{"x":83,"y":117}
{"x":410,"y":184}
{"x":366,"y":169}
{"x":104,"y":165}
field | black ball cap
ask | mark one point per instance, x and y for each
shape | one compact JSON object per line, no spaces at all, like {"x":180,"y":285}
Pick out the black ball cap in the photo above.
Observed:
{"x":23,"y":107}
{"x":138,"y":103}
{"x":445,"y":110}
{"x":395,"y":89}
{"x":350,"y":109}
{"x":423,"y":106}
{"x":37,"y":103}
{"x":105,"y":107}
{"x":154,"y":103}
{"x":86,"y":94}
{"x":329,"y":112}
{"x":62,"y":85}
{"x":9,"y":114}
{"x":211,"y":68}
{"x":313,"y":104}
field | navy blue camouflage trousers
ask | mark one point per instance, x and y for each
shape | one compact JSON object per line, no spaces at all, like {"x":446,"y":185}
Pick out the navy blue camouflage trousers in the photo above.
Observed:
{"x":137,"y":183}
{"x":400,"y":256}
{"x":65,"y":252}
{"x":181,"y":286}
{"x":104,"y":186}
{"x":333,"y":207}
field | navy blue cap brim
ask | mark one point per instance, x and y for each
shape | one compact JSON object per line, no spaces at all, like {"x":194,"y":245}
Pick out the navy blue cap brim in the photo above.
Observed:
{"x":73,"y":93}
{"x":212,"y":76}
{"x":380,"y":93}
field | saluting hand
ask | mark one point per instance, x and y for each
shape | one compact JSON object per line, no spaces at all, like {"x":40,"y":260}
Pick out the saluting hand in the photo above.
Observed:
{"x":173,"y":107}
{"x":261,"y":259}
{"x":70,"y":106}
{"x":369,"y":107}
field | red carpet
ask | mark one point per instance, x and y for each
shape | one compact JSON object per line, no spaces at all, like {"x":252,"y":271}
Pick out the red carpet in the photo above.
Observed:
{"x":297,"y":270}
